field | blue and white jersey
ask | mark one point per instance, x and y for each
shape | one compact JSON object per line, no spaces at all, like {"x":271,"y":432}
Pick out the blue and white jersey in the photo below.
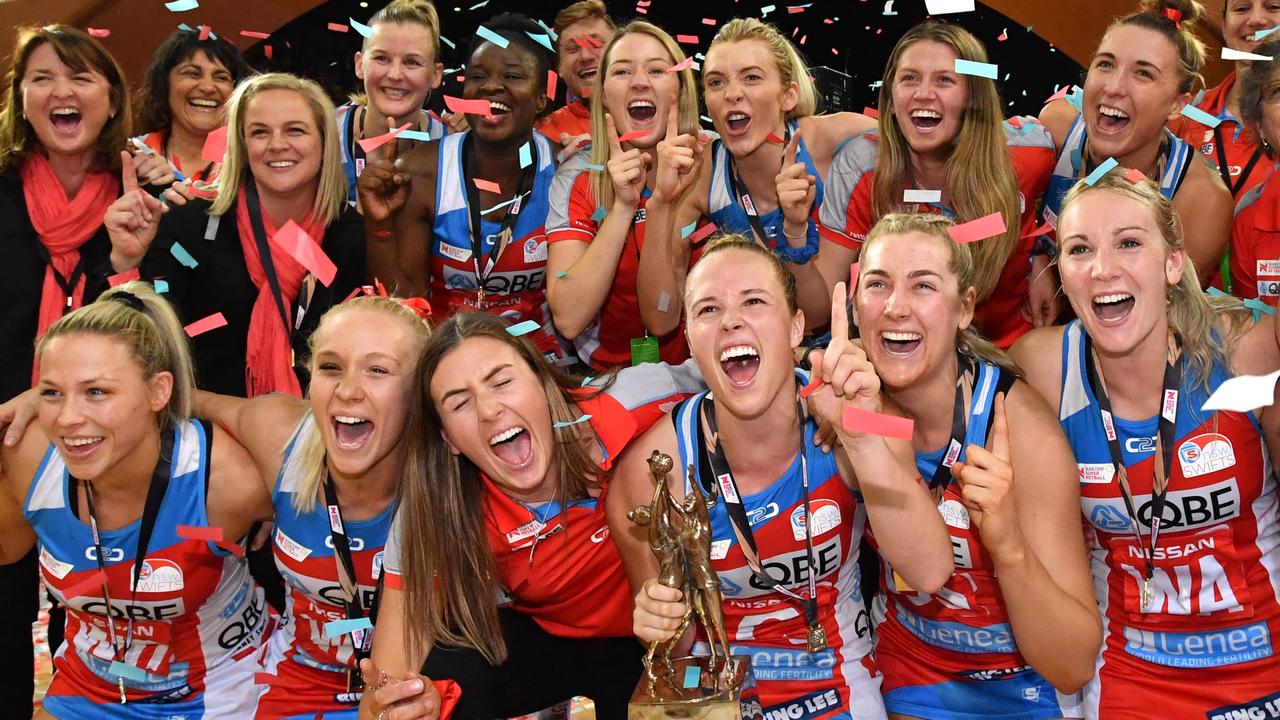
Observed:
{"x":349,"y":116}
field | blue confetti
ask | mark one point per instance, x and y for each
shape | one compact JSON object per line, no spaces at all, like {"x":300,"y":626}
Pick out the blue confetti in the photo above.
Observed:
{"x":687,"y":230}
{"x":549,"y":29}
{"x":360,"y":27}
{"x":1075,"y":99}
{"x":128,"y":672}
{"x":161,"y":286}
{"x":1200,"y":116}
{"x":561,"y":274}
{"x":1258,"y":307}
{"x":523,"y":328}
{"x":418,"y":135}
{"x":599,"y":214}
{"x":692,"y":676}
{"x":1263,"y":33}
{"x":182,"y":5}
{"x":586,"y":380}
{"x":526,"y":156}
{"x":183,"y":256}
{"x":1217,"y":293}
{"x":500,"y":205}
{"x":542,"y":38}
{"x":186,"y":27}
{"x":448,"y":42}
{"x":582,"y":419}
{"x":486,"y":34}
{"x":478,"y":5}
{"x":338,"y":628}
{"x":1106,"y":167}
{"x":767,"y":9}
{"x":979,"y":69}
{"x":592,"y":166}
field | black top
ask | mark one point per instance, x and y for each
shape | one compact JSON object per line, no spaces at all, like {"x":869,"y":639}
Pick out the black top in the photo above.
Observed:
{"x":220,"y":283}
{"x":22,"y":278}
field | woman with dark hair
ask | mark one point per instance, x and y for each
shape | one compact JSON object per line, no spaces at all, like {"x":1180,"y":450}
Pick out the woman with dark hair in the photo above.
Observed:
{"x":183,"y":97}
{"x":502,"y":494}
{"x":471,"y":228}
{"x":1255,"y":233}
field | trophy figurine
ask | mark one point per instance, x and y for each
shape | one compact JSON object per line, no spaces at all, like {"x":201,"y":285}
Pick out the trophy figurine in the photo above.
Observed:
{"x":718,"y":685}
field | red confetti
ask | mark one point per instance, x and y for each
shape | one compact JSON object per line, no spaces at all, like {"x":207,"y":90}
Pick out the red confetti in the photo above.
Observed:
{"x":301,"y":247}
{"x":124,"y":277}
{"x":633,"y":135}
{"x":1003,"y":36}
{"x":96,"y":580}
{"x":467,"y":107}
{"x":382,"y":233}
{"x":205,"y":30}
{"x":1134,"y":175}
{"x":205,"y":534}
{"x":263,"y":679}
{"x":687,"y":39}
{"x":338,"y":27}
{"x":255,"y":34}
{"x":204,"y":325}
{"x":488,"y":185}
{"x":857,"y":420}
{"x":795,"y":9}
{"x":1015,"y":122}
{"x":812,"y":387}
{"x":595,"y":42}
{"x":871,"y":112}
{"x":266,"y":50}
{"x":232,"y":548}
{"x":1044,"y":229}
{"x":552,"y":79}
{"x":371,"y":144}
{"x":828,"y":21}
{"x":774,"y":139}
{"x":215,"y":145}
{"x":701,"y":233}
{"x":853,"y":278}
{"x":99,"y":32}
{"x":980,"y":229}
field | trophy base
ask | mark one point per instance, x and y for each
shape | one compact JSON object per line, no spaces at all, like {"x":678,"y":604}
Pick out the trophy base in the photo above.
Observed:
{"x":703,"y":701}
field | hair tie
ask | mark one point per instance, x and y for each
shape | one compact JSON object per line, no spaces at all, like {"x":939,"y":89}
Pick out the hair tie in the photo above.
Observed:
{"x":1174,"y":15}
{"x":419,"y":306}
{"x":124,"y":297}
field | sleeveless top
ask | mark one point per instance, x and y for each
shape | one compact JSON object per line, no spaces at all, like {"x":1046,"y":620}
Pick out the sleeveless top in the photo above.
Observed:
{"x":353,"y":157}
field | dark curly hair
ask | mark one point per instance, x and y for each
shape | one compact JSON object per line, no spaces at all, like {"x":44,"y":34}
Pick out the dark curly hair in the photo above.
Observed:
{"x":1251,"y":84}
{"x":153,"y":95}
{"x":516,"y":28}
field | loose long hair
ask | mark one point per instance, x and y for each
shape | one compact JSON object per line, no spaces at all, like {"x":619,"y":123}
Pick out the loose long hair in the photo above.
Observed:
{"x":979,"y":171}
{"x":152,"y":98}
{"x":331,"y":193}
{"x":963,"y":267}
{"x":450,"y":576}
{"x":687,"y":100}
{"x":1208,"y":327}
{"x":311,"y":455}
{"x":82,"y":53}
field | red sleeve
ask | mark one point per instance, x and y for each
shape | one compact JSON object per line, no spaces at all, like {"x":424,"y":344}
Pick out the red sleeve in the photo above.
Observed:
{"x":1244,"y":278}
{"x":450,"y":694}
{"x":582,"y":206}
{"x":858,"y":217}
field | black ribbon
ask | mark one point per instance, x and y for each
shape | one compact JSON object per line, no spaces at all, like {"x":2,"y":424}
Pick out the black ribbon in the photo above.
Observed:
{"x":68,"y":285}
{"x":346,"y":567}
{"x":743,"y":196}
{"x":1225,"y":170}
{"x":473,"y":206}
{"x":264,"y":249}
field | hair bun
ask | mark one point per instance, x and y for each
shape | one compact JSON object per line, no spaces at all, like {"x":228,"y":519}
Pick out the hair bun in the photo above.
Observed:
{"x":1186,"y":14}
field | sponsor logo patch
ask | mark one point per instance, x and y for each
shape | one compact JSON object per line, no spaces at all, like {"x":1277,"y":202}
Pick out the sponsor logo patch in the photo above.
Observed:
{"x":1228,"y":646}
{"x":159,"y":575}
{"x":295,"y":550}
{"x":826,"y":517}
{"x":53,"y":565}
{"x":1269,"y":267}
{"x":1206,"y":453}
{"x":1101,"y":473}
{"x":454,"y":253}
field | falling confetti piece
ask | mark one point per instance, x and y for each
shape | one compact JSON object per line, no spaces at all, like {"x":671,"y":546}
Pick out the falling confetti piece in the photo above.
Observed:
{"x":552,"y":79}
{"x":182,"y":5}
{"x":99,"y":32}
{"x":1200,"y":116}
{"x":255,"y":34}
{"x":1101,"y":170}
{"x":338,"y":27}
{"x":204,"y":325}
{"x":360,"y":27}
{"x":489,"y":186}
{"x":491,"y":36}
{"x":682,"y":65}
{"x":581,"y":419}
{"x":980,"y":229}
{"x":978,"y":69}
{"x":523,"y":328}
{"x":467,"y":107}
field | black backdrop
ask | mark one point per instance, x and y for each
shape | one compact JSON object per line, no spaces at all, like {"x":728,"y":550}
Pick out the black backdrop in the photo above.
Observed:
{"x":845,"y":42}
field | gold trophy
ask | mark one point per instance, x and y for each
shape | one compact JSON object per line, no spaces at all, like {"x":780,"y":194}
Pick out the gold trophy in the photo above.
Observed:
{"x":717,"y":686}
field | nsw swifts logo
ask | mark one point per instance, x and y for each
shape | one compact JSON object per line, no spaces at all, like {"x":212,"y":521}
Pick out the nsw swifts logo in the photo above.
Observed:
{"x":159,"y":576}
{"x":826,"y":517}
{"x":1204,"y":454}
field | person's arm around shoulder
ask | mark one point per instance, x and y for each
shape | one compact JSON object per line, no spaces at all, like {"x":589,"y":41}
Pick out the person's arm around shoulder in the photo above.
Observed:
{"x":262,"y":425}
{"x":824,"y":133}
{"x":1206,"y":209}
{"x":238,"y":497}
{"x":1057,"y":116}
{"x":18,"y":465}
{"x":1039,"y":354}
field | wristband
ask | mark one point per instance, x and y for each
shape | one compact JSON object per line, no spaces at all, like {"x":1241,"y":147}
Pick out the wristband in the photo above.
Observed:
{"x":800,"y":256}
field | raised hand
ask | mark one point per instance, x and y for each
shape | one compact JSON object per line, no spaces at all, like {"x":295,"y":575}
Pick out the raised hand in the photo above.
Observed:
{"x":382,"y":189}
{"x":679,"y":160}
{"x":986,"y":482}
{"x":151,"y":168}
{"x":456,"y":122}
{"x":571,"y":145}
{"x":132,"y":220}
{"x":848,"y":376}
{"x":796,"y":187}
{"x":628,"y":169}
{"x":405,"y":697}
{"x":658,"y":613}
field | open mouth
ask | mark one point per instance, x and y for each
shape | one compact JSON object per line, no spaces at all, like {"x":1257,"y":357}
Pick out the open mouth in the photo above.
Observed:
{"x":1113,"y":307}
{"x":642,"y":111}
{"x":65,"y":118}
{"x":352,"y":432}
{"x":395,"y":93}
{"x":512,"y":446}
{"x":740,"y":364}
{"x":925,"y":119}
{"x":81,"y":446}
{"x":1111,"y":119}
{"x":204,"y":105}
{"x":282,"y":165}
{"x":737,"y":122}
{"x":588,"y":75}
{"x":900,"y":342}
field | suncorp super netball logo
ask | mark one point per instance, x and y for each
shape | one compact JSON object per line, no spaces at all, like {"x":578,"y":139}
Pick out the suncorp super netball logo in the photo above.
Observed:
{"x":1204,"y":454}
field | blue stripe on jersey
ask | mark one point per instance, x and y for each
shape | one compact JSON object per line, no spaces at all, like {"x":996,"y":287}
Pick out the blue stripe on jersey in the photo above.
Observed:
{"x":978,"y":421}
{"x":344,"y":116}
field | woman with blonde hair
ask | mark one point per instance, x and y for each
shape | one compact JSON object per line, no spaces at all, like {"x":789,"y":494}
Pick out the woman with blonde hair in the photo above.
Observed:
{"x":596,"y":227}
{"x":1004,"y":480}
{"x":1183,"y":530}
{"x":137,"y":510}
{"x":255,"y":254}
{"x":942,"y":132}
{"x":1140,"y":78}
{"x":764,"y":178}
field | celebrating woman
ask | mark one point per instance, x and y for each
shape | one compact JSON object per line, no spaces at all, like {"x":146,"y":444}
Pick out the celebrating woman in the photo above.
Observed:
{"x":276,"y":248}
{"x":764,"y":178}
{"x":502,"y":494}
{"x":943,"y":147}
{"x":182,"y":99}
{"x":792,"y":593}
{"x":136,"y":509}
{"x":596,"y":226}
{"x":471,"y":228}
{"x":1140,"y":78}
{"x":1005,"y":483}
{"x":1180,"y":501}
{"x":1255,"y":244}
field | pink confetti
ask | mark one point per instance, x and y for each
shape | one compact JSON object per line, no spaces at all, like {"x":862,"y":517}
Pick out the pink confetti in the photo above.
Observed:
{"x":813,"y":386}
{"x":702,"y":233}
{"x":794,"y":10}
{"x":371,"y":144}
{"x":857,"y":420}
{"x":1058,"y":95}
{"x":1042,"y":230}
{"x":206,"y":534}
{"x":205,"y":30}
{"x":980,"y":229}
{"x":298,"y":244}
{"x":1003,"y":36}
{"x":684,"y":64}
{"x":709,"y":21}
{"x":488,"y":186}
{"x":204,"y":325}
{"x":124,"y":277}
{"x":338,"y":27}
{"x":215,"y":145}
{"x":467,"y":107}
{"x":633,"y":135}
{"x":552,"y":79}
{"x":255,"y":34}
{"x":642,"y":11}
{"x":687,"y":39}
{"x":96,"y":580}
{"x":99,"y":32}
{"x":1134,"y":175}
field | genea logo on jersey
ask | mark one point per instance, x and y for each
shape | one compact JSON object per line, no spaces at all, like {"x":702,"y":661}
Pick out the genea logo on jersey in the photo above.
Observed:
{"x":1228,"y":646}
{"x":1263,"y":708}
{"x":1206,"y":453}
{"x":773,"y":664}
{"x":808,"y":706}
{"x":1183,"y":509}
{"x":826,"y":517}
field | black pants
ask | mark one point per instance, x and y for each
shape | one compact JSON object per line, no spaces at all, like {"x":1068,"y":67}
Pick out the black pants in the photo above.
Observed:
{"x":541,"y":670}
{"x":19,"y":605}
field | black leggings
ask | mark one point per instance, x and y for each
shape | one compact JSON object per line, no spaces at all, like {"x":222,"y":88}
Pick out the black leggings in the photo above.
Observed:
{"x":541,"y":670}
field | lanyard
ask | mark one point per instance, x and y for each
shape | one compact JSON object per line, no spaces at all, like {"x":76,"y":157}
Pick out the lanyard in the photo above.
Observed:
{"x":1225,"y":170}
{"x":713,"y":455}
{"x":473,"y":205}
{"x":1163,"y":458}
{"x":743,"y":196}
{"x":959,"y":425}
{"x":151,"y":508}
{"x":68,"y":285}
{"x":264,"y":250}
{"x":361,"y":640}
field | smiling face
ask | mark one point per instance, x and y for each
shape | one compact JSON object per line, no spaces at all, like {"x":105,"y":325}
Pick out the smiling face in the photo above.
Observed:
{"x":95,"y":404}
{"x":494,"y":410}
{"x":361,"y":389}
{"x":909,"y":307}
{"x":1116,"y":269}
{"x":399,"y":69}
{"x":1269,"y":100}
{"x":579,"y":58}
{"x":67,"y":108}
{"x":283,"y":142}
{"x":745,"y":96}
{"x":929,"y":97}
{"x":508,"y":79}
{"x":638,"y":92}
{"x":1243,"y":18}
{"x":1131,"y":91}
{"x":198,"y":91}
{"x":740,"y":330}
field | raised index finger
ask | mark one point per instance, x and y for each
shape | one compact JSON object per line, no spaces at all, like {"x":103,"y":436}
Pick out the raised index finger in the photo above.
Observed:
{"x":793,"y":147}
{"x":998,"y":443}
{"x":392,"y":146}
{"x":128,"y":172}
{"x":839,"y":314}
{"x":615,"y":147}
{"x":673,"y":121}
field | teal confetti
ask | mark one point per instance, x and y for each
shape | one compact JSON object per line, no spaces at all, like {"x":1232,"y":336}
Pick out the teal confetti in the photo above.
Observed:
{"x":1106,"y":167}
{"x":186,"y":27}
{"x":561,"y":274}
{"x":360,"y":27}
{"x":1217,"y":293}
{"x":586,"y":380}
{"x":479,"y":5}
{"x":767,"y":9}
{"x":500,"y":205}
{"x":523,"y":328}
{"x":549,"y":29}
{"x":1263,"y":33}
{"x":692,"y":676}
{"x":182,"y":5}
{"x":599,"y":214}
{"x":704,"y":119}
{"x":1075,"y":99}
{"x":183,"y":256}
{"x":593,"y":166}
{"x":978,"y":69}
{"x":486,"y":34}
{"x":128,"y":672}
{"x":687,"y":230}
{"x":526,"y":155}
{"x":1258,"y":307}
{"x":338,"y":628}
{"x":448,"y":42}
{"x":1200,"y":116}
{"x":418,"y":135}
{"x":541,"y":38}
{"x":582,"y":419}
{"x":161,"y":286}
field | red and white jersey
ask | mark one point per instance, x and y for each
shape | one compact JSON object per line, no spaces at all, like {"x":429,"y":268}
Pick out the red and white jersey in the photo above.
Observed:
{"x":1255,"y":244}
{"x":1207,"y":639}
{"x":198,"y":619}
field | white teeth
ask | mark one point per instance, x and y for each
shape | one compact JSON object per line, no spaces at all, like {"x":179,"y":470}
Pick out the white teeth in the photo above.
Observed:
{"x":505,"y":435}
{"x":201,"y":102}
{"x":900,"y":336}
{"x":79,"y":442}
{"x":640,"y":104}
{"x":926,"y":114}
{"x":349,"y":420}
{"x":395,"y":92}
{"x":738,"y":351}
{"x":1112,"y":112}
{"x":282,"y":163}
{"x":495,"y":105}
{"x":588,"y":74}
{"x":736,"y":116}
{"x":1113,"y":298}
{"x":66,"y":111}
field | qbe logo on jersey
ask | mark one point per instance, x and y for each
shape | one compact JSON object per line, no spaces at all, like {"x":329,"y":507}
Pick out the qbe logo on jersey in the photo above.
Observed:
{"x":1204,"y":454}
{"x":1269,"y":288}
{"x":826,"y":517}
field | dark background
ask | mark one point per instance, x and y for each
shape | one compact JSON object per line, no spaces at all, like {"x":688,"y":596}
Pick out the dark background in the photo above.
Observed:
{"x":837,"y":39}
